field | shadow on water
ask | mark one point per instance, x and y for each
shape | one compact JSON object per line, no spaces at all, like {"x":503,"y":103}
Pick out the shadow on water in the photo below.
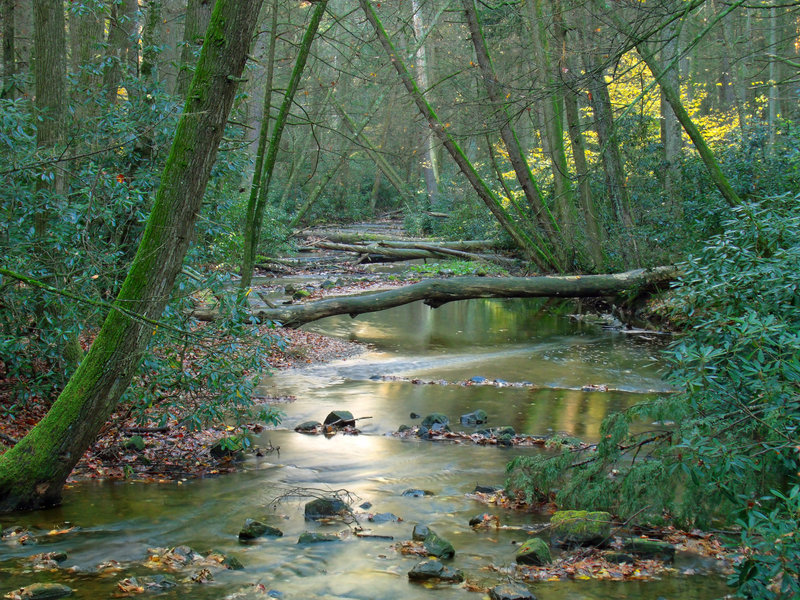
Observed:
{"x":510,"y":340}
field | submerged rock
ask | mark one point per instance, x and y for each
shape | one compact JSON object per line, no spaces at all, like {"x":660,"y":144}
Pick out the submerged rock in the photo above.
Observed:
{"x":312,"y":537}
{"x":534,"y":551}
{"x":478,"y":417}
{"x":438,"y":546}
{"x":43,"y":591}
{"x":435,"y":419}
{"x":325,"y":508}
{"x":414,"y":415}
{"x":414,"y":493}
{"x":384,"y":518}
{"x":571,"y":528}
{"x":253,"y":529}
{"x":434,"y":570}
{"x":511,"y":591}
{"x":340,"y":418}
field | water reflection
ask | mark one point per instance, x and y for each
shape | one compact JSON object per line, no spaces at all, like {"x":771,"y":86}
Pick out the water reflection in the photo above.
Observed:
{"x":511,"y":340}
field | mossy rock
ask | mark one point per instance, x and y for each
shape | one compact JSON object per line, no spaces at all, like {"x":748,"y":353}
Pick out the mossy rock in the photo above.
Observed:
{"x":649,"y":549}
{"x":44,"y":591}
{"x":253,"y":529}
{"x":340,"y":418}
{"x":435,"y":419}
{"x":438,"y":546}
{"x":308,"y":427}
{"x":479,"y":417}
{"x":570,"y":528}
{"x":433,"y":570}
{"x":135,"y":443}
{"x":534,"y":551}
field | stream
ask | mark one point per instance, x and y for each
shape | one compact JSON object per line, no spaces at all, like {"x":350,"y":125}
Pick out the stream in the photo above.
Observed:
{"x":514,"y":341}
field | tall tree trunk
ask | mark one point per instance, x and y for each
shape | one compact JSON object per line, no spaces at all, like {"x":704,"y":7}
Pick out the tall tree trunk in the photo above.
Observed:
{"x":8,"y":89}
{"x":614,"y":169}
{"x":430,"y":165}
{"x":521,"y":237}
{"x":255,"y":209}
{"x":553,"y":236}
{"x":569,"y":72}
{"x":23,"y":46}
{"x":33,"y":472}
{"x":671,"y":132}
{"x":122,"y":46}
{"x":86,"y":35}
{"x":151,"y":39}
{"x":198,"y":14}
{"x":773,"y":109}
{"x":50,"y":76}
{"x":170,"y":42}
{"x":553,"y":114}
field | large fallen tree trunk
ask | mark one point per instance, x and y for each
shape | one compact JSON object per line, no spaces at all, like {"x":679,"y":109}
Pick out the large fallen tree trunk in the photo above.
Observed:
{"x":436,"y":292}
{"x":382,"y":252}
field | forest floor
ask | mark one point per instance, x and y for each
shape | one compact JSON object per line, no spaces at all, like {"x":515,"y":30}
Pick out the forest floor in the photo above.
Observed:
{"x":172,"y":451}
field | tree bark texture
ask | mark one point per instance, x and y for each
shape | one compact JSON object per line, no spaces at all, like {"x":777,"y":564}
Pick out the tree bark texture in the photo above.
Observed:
{"x":9,"y":60}
{"x":198,"y":14}
{"x":436,"y":292}
{"x":33,"y":472}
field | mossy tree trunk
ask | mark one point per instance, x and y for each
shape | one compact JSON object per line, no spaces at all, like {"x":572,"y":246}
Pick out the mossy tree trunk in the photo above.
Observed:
{"x":8,"y":89}
{"x":33,"y":472}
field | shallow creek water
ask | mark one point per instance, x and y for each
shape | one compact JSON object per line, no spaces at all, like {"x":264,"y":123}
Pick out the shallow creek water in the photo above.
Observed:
{"x":515,"y":341}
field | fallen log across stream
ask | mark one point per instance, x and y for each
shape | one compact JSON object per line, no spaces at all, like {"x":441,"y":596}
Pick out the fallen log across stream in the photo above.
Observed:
{"x":436,"y":292}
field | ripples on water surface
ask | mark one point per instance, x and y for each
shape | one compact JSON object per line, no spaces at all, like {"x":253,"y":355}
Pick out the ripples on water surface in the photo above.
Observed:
{"x":510,"y":340}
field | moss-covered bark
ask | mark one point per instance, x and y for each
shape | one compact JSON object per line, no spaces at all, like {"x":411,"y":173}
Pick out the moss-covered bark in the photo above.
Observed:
{"x":33,"y":472}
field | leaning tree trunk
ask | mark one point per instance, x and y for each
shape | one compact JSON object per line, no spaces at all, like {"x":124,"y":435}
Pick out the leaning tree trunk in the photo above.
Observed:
{"x":257,"y":206}
{"x":521,"y":238}
{"x":33,"y":472}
